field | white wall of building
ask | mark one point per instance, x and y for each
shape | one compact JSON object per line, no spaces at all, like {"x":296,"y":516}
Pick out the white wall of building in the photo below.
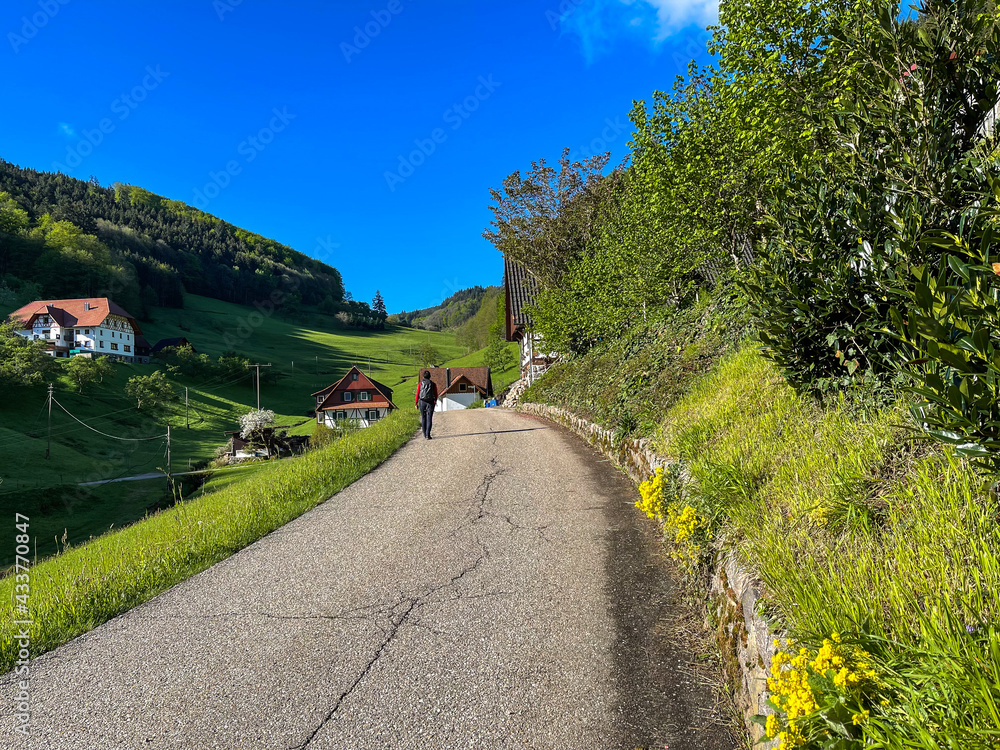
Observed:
{"x":453,"y":401}
{"x":114,"y":336}
{"x":360,"y":417}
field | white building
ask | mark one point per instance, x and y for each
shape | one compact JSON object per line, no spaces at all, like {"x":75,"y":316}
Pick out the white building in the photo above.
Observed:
{"x":520,"y":289}
{"x":459,"y":387}
{"x":91,"y":327}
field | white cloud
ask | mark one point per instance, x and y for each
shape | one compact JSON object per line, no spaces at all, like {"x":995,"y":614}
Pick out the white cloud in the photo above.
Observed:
{"x":599,"y":24}
{"x":674,"y":15}
{"x":67,"y":129}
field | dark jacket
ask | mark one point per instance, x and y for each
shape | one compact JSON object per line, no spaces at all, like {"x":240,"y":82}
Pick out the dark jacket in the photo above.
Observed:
{"x":434,"y":392}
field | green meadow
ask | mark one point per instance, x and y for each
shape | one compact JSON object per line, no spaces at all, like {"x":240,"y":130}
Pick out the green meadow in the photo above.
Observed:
{"x":306,"y":354}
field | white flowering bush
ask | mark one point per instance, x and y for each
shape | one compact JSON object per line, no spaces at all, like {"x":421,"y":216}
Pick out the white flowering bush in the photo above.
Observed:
{"x":255,"y":421}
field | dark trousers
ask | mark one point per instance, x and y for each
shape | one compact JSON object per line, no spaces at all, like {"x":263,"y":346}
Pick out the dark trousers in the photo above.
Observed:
{"x":426,"y":417}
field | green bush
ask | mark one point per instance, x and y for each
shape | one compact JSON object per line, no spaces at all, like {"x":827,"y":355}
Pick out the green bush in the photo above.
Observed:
{"x":951,"y":320}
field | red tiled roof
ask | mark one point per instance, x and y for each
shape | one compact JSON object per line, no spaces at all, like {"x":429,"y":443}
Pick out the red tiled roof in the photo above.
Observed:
{"x":479,"y":377}
{"x":70,"y":313}
{"x":363,"y":383}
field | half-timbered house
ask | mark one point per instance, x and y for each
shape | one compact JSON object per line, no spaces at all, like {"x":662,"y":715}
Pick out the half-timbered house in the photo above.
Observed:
{"x":92,"y":327}
{"x":354,"y":397}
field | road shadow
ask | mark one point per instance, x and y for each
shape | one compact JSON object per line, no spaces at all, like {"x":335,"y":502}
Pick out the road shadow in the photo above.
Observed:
{"x":491,"y":432}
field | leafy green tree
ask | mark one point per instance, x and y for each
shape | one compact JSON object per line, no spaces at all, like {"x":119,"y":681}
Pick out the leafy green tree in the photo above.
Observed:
{"x":545,"y":219}
{"x":13,"y":218}
{"x":82,"y":371}
{"x":150,"y":391}
{"x":893,"y":149}
{"x":428,"y":354}
{"x":23,"y":362}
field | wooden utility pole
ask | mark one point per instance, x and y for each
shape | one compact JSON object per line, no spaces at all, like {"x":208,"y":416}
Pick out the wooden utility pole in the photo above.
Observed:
{"x":187,"y":422}
{"x":168,"y":455}
{"x":258,"y":366}
{"x":48,"y":450}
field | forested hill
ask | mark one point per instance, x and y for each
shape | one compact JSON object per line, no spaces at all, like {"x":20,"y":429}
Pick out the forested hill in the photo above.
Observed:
{"x":452,"y":313}
{"x":63,"y":237}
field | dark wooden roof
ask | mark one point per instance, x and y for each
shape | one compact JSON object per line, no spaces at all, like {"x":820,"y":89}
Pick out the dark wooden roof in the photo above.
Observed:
{"x":520,"y":290}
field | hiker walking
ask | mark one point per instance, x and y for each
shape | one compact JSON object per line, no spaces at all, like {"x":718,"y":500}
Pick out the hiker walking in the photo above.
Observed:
{"x":427,"y":396}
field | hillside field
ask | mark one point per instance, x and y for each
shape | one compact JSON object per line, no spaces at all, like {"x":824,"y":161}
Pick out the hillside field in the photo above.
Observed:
{"x":304,"y":358}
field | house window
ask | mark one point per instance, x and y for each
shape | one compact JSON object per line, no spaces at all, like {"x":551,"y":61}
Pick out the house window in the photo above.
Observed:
{"x":341,"y":415}
{"x":114,"y":347}
{"x":347,"y":395}
{"x":46,"y":333}
{"x":372,"y":415}
{"x":354,"y":376}
{"x":128,"y":348}
{"x":461,"y":387}
{"x":86,"y":331}
{"x":102,"y":344}
{"x":364,"y":396}
{"x":320,"y":400}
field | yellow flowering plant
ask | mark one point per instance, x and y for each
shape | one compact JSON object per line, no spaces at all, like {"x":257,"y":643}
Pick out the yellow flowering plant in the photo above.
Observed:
{"x":821,"y":698}
{"x":661,"y":499}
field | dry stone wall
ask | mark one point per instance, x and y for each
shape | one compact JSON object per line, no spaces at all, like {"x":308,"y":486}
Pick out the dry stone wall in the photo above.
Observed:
{"x":745,"y":640}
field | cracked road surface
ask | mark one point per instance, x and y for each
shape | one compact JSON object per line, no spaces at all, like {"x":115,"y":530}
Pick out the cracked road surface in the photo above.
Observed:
{"x":490,"y":588}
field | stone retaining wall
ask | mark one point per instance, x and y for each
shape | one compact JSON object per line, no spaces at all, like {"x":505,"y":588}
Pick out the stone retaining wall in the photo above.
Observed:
{"x":745,"y":641}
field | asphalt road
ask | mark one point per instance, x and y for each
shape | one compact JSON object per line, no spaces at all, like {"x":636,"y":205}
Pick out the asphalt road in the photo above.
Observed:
{"x":490,"y":588}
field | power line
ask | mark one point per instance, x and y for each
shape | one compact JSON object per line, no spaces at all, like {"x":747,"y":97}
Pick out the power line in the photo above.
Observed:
{"x":113,"y":437}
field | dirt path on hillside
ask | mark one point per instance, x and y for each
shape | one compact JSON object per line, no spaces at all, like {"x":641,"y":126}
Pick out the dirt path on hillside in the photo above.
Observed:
{"x":492,"y":588}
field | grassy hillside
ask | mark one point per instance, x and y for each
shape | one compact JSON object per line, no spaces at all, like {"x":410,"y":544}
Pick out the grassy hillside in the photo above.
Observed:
{"x":303,"y":361}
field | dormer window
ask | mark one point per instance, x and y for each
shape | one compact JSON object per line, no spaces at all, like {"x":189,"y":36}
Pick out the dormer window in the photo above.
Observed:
{"x":354,"y":376}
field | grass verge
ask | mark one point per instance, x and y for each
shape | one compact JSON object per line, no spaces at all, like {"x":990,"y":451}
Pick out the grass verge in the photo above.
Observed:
{"x":88,"y":585}
{"x":872,"y":545}
{"x":856,"y":529}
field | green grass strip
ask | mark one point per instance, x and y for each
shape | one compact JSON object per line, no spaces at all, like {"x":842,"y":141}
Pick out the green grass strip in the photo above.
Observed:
{"x":78,"y":590}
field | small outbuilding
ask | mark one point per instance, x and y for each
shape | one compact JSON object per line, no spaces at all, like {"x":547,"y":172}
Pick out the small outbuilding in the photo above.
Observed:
{"x":459,"y":387}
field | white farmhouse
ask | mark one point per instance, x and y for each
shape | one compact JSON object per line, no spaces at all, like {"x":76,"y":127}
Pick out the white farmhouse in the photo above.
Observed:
{"x":93,"y":326}
{"x":520,"y":290}
{"x":459,"y":387}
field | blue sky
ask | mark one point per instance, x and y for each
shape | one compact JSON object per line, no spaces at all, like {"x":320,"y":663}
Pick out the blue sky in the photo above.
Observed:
{"x":366,"y":134}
